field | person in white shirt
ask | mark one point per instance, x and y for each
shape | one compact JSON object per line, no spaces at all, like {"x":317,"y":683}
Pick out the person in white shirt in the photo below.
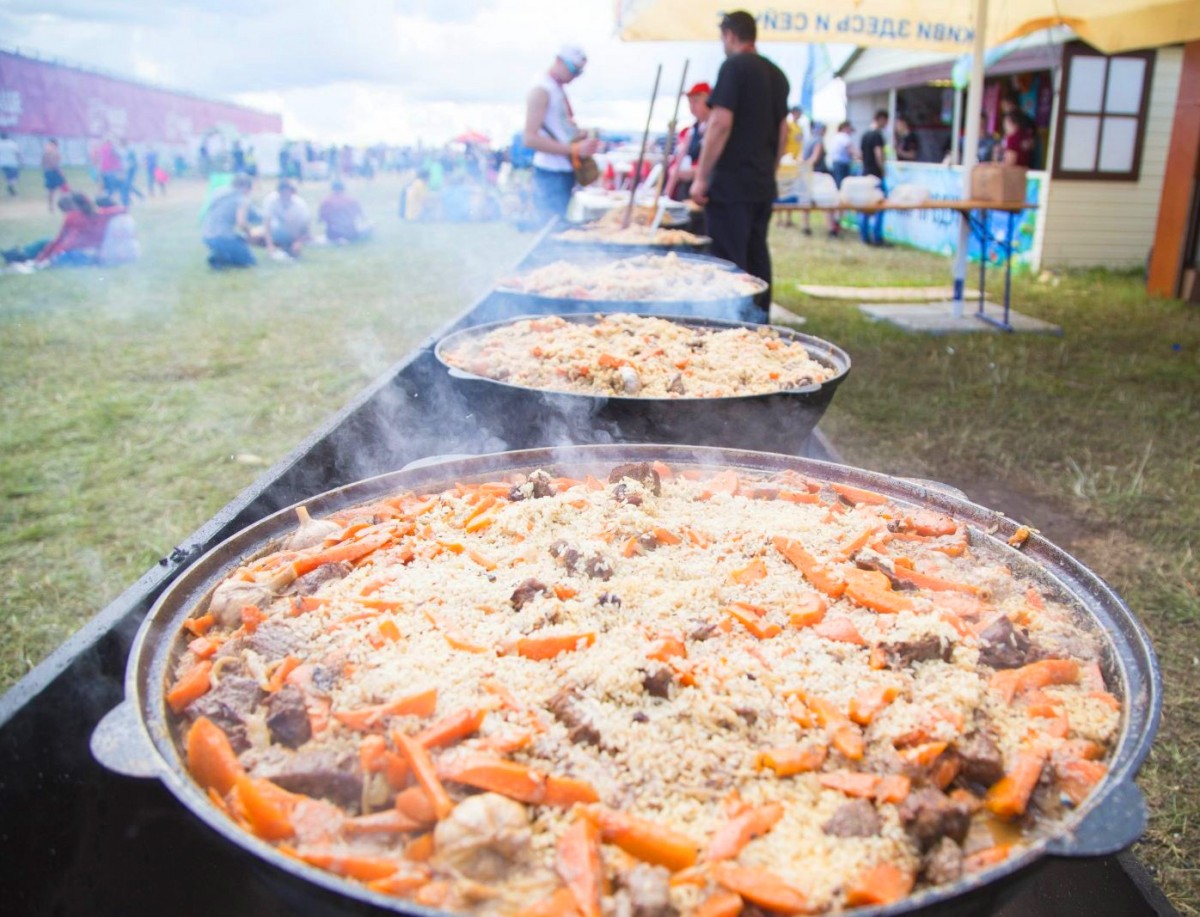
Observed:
{"x":551,"y":132}
{"x":10,"y":162}
{"x":287,"y":220}
{"x":842,"y":152}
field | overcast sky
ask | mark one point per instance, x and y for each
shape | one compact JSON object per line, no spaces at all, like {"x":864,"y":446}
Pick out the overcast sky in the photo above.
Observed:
{"x":359,"y":71}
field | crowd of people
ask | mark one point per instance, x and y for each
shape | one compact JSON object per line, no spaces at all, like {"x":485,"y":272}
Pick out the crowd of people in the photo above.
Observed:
{"x":732,"y":149}
{"x":282,"y":224}
{"x":726,"y":161}
{"x":453,"y":183}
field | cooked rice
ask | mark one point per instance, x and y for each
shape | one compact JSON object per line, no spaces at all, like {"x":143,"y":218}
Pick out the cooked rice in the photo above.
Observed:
{"x":685,"y":759}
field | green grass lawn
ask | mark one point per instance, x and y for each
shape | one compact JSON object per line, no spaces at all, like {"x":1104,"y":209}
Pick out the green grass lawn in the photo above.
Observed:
{"x":138,"y":401}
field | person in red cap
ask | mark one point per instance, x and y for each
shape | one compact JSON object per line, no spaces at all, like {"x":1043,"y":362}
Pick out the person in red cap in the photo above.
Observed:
{"x":744,"y":140}
{"x":687,"y":148}
{"x":551,"y":132}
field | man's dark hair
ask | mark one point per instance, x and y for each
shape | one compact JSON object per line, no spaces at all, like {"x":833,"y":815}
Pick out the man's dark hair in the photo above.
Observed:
{"x":882,"y":113}
{"x":741,"y":24}
{"x":83,"y":203}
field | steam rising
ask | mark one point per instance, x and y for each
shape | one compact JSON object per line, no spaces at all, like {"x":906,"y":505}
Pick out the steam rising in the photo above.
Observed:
{"x":419,"y":410}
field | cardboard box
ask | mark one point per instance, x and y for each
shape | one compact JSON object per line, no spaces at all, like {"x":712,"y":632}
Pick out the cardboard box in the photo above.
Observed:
{"x":998,"y":184}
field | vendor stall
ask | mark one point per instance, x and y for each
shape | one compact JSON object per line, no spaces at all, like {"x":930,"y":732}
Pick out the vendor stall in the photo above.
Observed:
{"x":1097,"y":192}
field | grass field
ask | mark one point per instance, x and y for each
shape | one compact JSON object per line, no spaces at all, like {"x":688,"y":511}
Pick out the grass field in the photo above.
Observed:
{"x":137,"y":402}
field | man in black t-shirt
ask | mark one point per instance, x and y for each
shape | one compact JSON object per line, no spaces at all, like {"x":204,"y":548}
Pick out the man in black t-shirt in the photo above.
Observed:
{"x":873,"y":145}
{"x":746,"y":135}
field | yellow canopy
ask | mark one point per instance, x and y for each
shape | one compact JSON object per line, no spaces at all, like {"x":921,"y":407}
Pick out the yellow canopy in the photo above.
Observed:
{"x":932,"y":25}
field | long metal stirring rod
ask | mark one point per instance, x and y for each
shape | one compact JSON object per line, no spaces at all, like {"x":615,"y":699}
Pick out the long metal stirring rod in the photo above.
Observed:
{"x":637,"y":171}
{"x":668,"y":149}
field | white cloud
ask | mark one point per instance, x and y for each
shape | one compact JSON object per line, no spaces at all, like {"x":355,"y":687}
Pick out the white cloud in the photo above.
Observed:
{"x":364,"y":70}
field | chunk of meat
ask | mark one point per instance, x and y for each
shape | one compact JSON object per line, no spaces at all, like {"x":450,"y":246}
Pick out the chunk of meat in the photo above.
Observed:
{"x":676,"y":386}
{"x":527,"y":592}
{"x":647,"y":541}
{"x":568,"y":556}
{"x":703,"y":630}
{"x":623,"y":494}
{"x":644,"y":891}
{"x":539,"y":484}
{"x":1066,"y":645}
{"x":325,"y":678}
{"x":565,"y":707}
{"x":1003,"y":646}
{"x":929,"y":815}
{"x":900,"y":653}
{"x":631,"y":382}
{"x":318,"y":772}
{"x":272,"y":641}
{"x":642,"y":472}
{"x":748,"y":714}
{"x":227,"y":704}
{"x":312,"y":581}
{"x":943,"y":863}
{"x":311,"y":531}
{"x":856,"y":818}
{"x":598,"y":567}
{"x":866,"y":559}
{"x":657,"y":682}
{"x":228,"y":599}
{"x":287,"y":717}
{"x":483,"y":836}
{"x":982,"y":762}
{"x":797,"y":382}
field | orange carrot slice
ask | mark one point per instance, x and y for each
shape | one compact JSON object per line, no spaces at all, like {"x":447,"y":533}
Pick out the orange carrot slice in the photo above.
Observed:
{"x":560,"y":904}
{"x":851,"y":783}
{"x":452,"y":728}
{"x":267,"y":808}
{"x":762,"y":887}
{"x":548,"y":647}
{"x":728,"y":840}
{"x":721,"y":903}
{"x":499,"y":775}
{"x":192,"y":684}
{"x":579,"y":864}
{"x":422,"y":767}
{"x":751,"y":573}
{"x":421,"y":704}
{"x":885,"y":883}
{"x":210,"y":757}
{"x":1009,"y":796}
{"x":763,"y":630}
{"x":821,"y":576}
{"x":646,"y":840}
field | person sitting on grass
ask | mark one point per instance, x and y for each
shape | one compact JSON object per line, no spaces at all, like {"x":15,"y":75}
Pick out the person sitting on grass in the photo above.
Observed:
{"x":342,"y":216}
{"x":287,"y":221}
{"x":79,"y":238}
{"x":415,"y":203}
{"x":226,"y":226}
{"x":81,"y":234}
